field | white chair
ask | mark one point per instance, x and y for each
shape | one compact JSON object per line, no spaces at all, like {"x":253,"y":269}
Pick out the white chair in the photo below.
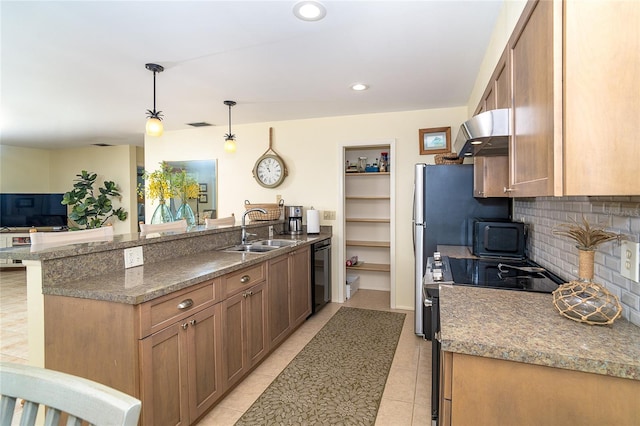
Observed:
{"x":80,"y":398}
{"x":40,"y":240}
{"x":175,"y":226}
{"x":223,"y":221}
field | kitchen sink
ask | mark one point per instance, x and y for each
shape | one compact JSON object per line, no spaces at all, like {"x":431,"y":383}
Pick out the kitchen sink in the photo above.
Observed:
{"x":261,"y":246}
{"x":250,"y":248}
{"x":274,"y":243}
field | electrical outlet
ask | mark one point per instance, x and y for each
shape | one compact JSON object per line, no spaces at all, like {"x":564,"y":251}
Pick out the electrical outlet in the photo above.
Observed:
{"x":629,"y":258}
{"x":133,"y":257}
{"x":329,"y":215}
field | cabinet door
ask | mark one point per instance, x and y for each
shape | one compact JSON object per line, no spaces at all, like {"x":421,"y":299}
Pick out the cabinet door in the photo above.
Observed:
{"x":300,"y":287}
{"x":205,"y":360}
{"x":535,"y":118}
{"x":490,"y":176}
{"x":235,"y":338}
{"x":164,"y":392}
{"x":278,"y":282}
{"x":256,"y":301}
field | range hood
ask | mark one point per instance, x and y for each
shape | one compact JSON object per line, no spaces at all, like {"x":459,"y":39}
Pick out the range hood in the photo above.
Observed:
{"x":485,"y":134}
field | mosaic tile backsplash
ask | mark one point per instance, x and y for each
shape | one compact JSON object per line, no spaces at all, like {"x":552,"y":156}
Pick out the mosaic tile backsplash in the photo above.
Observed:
{"x":558,"y":254}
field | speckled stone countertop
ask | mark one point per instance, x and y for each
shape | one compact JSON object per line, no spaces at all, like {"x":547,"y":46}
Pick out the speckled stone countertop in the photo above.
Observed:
{"x":526,"y":327}
{"x":142,"y":283}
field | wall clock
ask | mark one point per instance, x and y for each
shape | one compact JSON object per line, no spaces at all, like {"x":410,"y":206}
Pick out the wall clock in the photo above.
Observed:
{"x":270,"y":169}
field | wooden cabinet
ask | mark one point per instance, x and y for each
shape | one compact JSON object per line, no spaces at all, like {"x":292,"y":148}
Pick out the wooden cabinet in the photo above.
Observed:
{"x":179,"y":353}
{"x":367,"y":220}
{"x":498,"y":92}
{"x":181,"y":369}
{"x":574,"y":99}
{"x":244,"y":321}
{"x":300,"y":285}
{"x":490,"y":176}
{"x":487,"y":391}
{"x":289,"y":293}
{"x":279,"y":303}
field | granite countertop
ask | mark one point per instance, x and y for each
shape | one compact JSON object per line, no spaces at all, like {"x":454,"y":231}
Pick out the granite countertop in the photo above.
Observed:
{"x":143,"y":283}
{"x":526,"y":327}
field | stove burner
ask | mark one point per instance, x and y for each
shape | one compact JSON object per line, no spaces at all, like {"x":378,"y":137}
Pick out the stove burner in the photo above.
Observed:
{"x":497,"y":273}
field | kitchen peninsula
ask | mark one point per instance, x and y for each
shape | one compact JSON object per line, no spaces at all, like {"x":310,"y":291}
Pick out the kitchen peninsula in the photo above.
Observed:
{"x":510,"y":358}
{"x":193,"y":314}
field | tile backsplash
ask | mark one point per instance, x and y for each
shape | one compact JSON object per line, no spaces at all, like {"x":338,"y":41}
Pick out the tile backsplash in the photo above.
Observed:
{"x":559,"y":255}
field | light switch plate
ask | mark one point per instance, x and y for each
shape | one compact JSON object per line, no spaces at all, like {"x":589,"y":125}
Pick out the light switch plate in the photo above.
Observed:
{"x":133,"y":257}
{"x":629,"y":258}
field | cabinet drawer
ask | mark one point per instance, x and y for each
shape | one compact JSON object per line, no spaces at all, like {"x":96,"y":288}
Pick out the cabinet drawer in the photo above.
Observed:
{"x":244,"y":278}
{"x":159,"y":313}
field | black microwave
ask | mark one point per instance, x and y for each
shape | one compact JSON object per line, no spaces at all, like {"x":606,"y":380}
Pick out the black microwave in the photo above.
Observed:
{"x":492,"y":238}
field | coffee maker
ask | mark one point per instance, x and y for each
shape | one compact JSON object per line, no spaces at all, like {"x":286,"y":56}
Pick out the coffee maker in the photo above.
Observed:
{"x":293,"y":220}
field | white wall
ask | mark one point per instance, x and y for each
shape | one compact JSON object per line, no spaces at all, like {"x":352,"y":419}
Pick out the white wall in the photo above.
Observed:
{"x":40,"y":170}
{"x":309,"y":149}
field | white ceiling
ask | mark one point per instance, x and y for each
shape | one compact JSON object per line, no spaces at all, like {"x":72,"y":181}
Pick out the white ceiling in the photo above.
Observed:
{"x":73,"y":72}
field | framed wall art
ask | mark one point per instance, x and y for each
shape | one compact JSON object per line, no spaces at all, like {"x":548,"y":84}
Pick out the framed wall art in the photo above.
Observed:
{"x":436,"y":140}
{"x":203,"y":199}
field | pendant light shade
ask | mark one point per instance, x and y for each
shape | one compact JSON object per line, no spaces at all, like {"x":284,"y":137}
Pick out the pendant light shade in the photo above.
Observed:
{"x":154,"y":123}
{"x":230,"y":138}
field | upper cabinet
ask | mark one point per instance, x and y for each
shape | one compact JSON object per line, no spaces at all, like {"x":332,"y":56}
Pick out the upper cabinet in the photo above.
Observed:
{"x":574,"y":76}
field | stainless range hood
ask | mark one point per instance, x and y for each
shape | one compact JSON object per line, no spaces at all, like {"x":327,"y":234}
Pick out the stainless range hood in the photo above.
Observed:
{"x":485,"y":134}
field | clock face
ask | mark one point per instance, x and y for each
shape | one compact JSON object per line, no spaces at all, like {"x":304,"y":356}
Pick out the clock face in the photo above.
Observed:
{"x":269,"y":171}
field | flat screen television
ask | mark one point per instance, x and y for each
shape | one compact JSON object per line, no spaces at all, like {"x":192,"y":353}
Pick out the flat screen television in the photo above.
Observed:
{"x":27,"y":210}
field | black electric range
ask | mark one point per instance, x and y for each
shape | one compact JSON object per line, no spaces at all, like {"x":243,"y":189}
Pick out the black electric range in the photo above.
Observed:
{"x":503,"y":274}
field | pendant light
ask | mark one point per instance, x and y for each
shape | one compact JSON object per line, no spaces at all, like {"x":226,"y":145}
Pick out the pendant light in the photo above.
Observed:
{"x":154,"y":123}
{"x":230,"y":138}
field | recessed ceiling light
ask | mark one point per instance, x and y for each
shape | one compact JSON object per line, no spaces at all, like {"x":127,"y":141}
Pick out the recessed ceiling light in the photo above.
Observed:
{"x":358,"y":87}
{"x":309,"y":10}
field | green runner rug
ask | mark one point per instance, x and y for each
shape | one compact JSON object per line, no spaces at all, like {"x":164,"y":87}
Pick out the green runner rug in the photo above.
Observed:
{"x":337,"y":378}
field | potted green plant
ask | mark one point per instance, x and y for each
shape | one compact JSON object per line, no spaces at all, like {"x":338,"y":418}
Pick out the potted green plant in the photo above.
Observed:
{"x":88,"y":210}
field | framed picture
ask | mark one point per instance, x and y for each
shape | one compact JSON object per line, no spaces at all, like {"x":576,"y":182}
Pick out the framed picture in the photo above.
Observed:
{"x":203,"y":187}
{"x":435,"y":141}
{"x":203,"y":199}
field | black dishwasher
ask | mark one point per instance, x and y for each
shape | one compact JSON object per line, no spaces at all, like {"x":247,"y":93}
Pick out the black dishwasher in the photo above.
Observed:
{"x":320,"y":274}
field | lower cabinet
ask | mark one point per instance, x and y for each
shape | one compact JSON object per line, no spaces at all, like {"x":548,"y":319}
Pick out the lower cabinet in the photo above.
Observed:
{"x":289,"y":280}
{"x":480,"y":391}
{"x":181,"y":369}
{"x":181,"y":352}
{"x":300,"y":285}
{"x":245,"y":337}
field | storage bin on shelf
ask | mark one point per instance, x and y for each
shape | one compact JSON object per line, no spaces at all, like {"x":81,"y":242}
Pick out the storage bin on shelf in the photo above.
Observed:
{"x":274,"y":211}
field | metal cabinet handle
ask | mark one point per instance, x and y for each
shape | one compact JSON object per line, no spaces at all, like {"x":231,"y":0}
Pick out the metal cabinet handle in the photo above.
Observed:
{"x":185,"y":304}
{"x":505,"y":189}
{"x":247,"y":294}
{"x":245,"y":279}
{"x":192,"y":322}
{"x":184,"y":326}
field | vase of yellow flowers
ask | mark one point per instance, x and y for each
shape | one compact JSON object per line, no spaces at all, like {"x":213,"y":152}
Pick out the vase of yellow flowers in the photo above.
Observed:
{"x":160,"y":187}
{"x":584,"y":300}
{"x":187,"y":188}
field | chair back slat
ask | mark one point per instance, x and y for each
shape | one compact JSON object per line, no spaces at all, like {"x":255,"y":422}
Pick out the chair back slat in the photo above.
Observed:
{"x":80,"y":398}
{"x":175,"y":226}
{"x":223,"y":221}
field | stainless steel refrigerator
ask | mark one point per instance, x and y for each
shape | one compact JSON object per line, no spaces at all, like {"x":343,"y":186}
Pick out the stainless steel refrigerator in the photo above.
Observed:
{"x":443,"y":213}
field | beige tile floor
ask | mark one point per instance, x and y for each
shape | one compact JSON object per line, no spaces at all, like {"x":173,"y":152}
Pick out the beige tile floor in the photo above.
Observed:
{"x":406,"y":397}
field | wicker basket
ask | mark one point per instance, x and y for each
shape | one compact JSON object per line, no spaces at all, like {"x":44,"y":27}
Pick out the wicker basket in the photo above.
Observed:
{"x":448,"y":158}
{"x":273,"y":211}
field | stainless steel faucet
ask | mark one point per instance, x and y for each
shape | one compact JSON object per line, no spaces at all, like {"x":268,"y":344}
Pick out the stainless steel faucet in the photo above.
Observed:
{"x":246,"y":234}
